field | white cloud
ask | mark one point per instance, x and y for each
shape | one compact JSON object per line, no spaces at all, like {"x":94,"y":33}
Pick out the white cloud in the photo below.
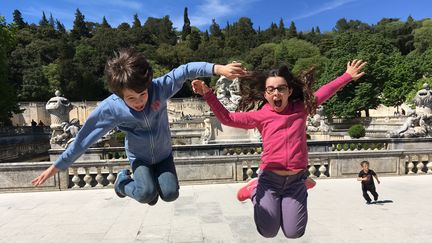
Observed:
{"x":326,"y":7}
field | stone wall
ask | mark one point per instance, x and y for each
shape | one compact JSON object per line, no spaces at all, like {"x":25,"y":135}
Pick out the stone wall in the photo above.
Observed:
{"x":23,"y":145}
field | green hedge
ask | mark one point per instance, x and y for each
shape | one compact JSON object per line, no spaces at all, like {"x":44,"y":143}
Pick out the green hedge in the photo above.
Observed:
{"x":357,"y":131}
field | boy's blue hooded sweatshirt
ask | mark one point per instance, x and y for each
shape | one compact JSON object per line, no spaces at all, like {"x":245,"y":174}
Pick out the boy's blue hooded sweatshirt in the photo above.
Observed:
{"x":148,"y":137}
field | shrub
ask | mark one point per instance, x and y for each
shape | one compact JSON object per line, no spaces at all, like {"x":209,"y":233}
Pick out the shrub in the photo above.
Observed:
{"x":120,"y":137}
{"x":357,"y":131}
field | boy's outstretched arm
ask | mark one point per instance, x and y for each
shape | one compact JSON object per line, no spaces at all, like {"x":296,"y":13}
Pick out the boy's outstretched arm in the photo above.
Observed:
{"x":51,"y":171}
{"x":231,"y":70}
{"x":100,"y":121}
{"x":353,"y":72}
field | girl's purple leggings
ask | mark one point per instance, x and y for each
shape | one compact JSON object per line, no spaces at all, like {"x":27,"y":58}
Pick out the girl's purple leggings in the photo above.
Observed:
{"x":280,"y":202}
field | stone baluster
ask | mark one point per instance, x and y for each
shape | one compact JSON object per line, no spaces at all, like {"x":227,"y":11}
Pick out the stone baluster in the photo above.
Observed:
{"x":99,"y":177}
{"x":429,"y":164}
{"x":410,"y":165}
{"x":420,"y":164}
{"x":87,"y":178}
{"x":312,"y":170}
{"x":75,"y":179}
{"x":322,"y":169}
{"x":111,"y":178}
{"x":249,"y":171}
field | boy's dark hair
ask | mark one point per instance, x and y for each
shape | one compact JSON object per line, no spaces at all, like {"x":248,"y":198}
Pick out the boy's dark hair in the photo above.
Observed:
{"x":252,"y":88}
{"x":128,"y":69}
{"x":364,"y":162}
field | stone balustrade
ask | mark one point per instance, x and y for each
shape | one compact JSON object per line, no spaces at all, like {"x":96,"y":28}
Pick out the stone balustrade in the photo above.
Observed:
{"x":230,"y":163}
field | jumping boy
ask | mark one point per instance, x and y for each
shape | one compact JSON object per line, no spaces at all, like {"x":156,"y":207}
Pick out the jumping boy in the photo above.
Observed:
{"x":138,"y":106}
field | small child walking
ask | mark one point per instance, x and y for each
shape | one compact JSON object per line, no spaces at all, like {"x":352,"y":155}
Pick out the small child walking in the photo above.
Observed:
{"x":280,"y":193}
{"x":366,"y":177}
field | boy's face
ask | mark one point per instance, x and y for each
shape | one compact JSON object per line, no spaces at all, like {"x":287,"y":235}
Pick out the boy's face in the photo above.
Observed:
{"x":365,"y":166}
{"x":134,"y":100}
{"x":277,"y":93}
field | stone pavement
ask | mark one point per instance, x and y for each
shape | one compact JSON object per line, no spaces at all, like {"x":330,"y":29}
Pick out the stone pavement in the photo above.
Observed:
{"x":210,"y":213}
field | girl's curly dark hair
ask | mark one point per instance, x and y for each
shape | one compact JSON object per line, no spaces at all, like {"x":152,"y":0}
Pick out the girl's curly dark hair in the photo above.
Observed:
{"x":252,"y":88}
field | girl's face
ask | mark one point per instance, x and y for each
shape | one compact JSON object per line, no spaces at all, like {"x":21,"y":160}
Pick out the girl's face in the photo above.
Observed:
{"x":277,"y":93}
{"x":134,"y":100}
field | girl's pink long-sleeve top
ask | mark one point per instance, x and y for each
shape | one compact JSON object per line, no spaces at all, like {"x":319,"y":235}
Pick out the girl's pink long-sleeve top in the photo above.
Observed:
{"x":283,"y":134}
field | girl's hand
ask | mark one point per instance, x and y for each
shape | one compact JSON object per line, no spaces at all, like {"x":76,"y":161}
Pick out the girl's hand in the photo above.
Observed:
{"x":52,"y":170}
{"x":354,"y":67}
{"x":231,"y":71}
{"x":199,"y":87}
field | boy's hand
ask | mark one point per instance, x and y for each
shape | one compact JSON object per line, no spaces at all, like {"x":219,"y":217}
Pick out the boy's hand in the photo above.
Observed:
{"x":231,"y":71}
{"x":354,"y":67}
{"x":199,"y":87}
{"x":52,"y":170}
{"x":378,"y":181}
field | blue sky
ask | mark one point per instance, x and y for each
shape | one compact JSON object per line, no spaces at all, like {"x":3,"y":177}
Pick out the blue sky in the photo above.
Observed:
{"x":306,"y":14}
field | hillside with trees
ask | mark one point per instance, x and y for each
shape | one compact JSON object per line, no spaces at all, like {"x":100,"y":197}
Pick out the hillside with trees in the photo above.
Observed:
{"x":37,"y":59}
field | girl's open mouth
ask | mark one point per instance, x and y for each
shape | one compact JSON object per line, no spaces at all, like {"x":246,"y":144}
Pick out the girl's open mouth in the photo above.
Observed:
{"x":277,"y":103}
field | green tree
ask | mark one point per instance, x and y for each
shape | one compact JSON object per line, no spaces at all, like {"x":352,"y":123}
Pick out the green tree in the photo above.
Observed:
{"x":79,"y":28}
{"x":194,"y":39}
{"x":401,"y":77}
{"x":60,"y":27}
{"x":186,"y":25}
{"x":105,"y":23}
{"x":8,"y":100}
{"x":423,"y":36}
{"x":160,"y":31}
{"x":52,"y":74}
{"x":136,"y":22}
{"x":44,"y":21}
{"x":18,"y":20}
{"x":365,"y":93}
{"x":289,"y":51}
{"x":317,"y":62}
{"x":262,"y":57}
{"x":292,"y":30}
{"x":240,"y":37}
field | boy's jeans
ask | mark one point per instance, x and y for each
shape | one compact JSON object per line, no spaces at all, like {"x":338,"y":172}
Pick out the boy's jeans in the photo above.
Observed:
{"x":150,"y":181}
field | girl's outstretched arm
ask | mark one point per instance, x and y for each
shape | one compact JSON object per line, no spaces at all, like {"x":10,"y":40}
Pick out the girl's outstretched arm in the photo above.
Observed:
{"x":246,"y":120}
{"x":352,"y":73}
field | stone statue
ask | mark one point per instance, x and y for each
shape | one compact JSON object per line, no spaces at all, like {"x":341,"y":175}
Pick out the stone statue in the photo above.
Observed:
{"x":228,"y":92}
{"x":104,"y":141}
{"x":419,"y":122}
{"x":206,"y":135}
{"x":317,"y":123}
{"x":59,"y":108}
{"x":70,"y":130}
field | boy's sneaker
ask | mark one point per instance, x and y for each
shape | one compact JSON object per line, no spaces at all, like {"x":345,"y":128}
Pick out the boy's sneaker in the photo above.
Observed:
{"x":310,"y":183}
{"x":246,"y":191}
{"x":122,"y":176}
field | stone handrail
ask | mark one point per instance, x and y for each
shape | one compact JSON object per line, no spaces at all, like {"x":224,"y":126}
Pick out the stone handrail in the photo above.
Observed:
{"x":100,"y":174}
{"x":227,"y":163}
{"x":24,"y":130}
